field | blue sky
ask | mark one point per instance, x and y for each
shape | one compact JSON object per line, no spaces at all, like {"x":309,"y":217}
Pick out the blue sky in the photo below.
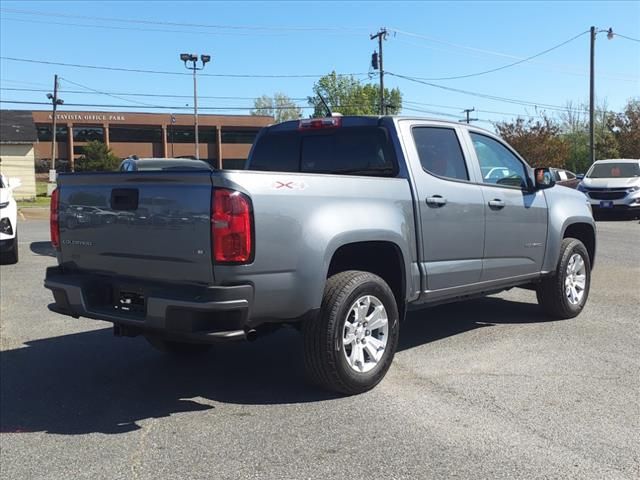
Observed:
{"x":427,"y":40}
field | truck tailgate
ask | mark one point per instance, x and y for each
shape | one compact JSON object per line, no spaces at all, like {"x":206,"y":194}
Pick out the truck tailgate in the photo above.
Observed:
{"x":151,"y":225}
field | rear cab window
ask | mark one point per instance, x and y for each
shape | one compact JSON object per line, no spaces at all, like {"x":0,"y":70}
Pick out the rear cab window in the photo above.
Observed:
{"x":365,"y":150}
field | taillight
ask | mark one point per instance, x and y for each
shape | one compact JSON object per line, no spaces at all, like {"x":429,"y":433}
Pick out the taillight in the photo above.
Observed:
{"x":231,"y":227}
{"x":54,"y":226}
{"x":318,"y":123}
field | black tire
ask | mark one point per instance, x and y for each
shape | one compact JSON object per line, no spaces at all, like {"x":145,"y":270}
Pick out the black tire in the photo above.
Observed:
{"x":11,"y":256}
{"x":551,"y":291}
{"x":324,"y":352}
{"x":177,"y":348}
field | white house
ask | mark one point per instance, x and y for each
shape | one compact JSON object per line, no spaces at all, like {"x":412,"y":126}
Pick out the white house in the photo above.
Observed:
{"x":17,"y":157}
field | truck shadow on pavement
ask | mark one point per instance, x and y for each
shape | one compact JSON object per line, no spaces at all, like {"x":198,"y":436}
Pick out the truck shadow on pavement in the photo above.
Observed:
{"x":92,"y":382}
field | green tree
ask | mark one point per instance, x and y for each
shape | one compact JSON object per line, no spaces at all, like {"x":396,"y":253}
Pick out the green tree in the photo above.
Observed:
{"x":625,"y":127}
{"x":347,"y":95}
{"x":539,"y":142}
{"x":280,"y":107}
{"x":575,"y":132}
{"x":97,"y":157}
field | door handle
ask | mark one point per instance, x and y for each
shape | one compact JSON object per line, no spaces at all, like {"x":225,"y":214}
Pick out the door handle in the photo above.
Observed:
{"x":496,"y":204}
{"x":436,"y":201}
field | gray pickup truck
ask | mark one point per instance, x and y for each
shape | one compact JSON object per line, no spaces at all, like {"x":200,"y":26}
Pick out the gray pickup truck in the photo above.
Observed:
{"x":337,"y":226}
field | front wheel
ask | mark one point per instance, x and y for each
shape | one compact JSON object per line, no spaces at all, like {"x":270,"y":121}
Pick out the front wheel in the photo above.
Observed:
{"x":350,"y":346}
{"x":564,"y":295}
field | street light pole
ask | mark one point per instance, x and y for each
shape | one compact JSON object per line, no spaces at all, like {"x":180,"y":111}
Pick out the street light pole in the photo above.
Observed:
{"x":592,"y":90}
{"x":195,"y":110}
{"x":189,"y":57}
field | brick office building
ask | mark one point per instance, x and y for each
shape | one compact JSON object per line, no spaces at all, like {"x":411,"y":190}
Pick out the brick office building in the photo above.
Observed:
{"x":226,"y":137}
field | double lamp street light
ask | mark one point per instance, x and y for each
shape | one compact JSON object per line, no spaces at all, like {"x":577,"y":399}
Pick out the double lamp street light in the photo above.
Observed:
{"x":193,"y":58}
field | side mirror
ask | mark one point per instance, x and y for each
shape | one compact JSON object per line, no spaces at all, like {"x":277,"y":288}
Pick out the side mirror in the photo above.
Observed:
{"x":543,"y":178}
{"x":580,"y":176}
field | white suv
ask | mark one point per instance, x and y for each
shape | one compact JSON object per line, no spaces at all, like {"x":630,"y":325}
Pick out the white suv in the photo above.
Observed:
{"x":8,"y":220}
{"x":613,"y":186}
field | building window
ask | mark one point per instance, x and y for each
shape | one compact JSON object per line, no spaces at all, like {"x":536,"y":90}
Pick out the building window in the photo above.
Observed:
{"x":88,"y":133}
{"x":247,"y":135}
{"x":44,"y":133}
{"x":187,"y":134}
{"x":78,"y":150}
{"x":234,"y":163}
{"x":135,"y":134}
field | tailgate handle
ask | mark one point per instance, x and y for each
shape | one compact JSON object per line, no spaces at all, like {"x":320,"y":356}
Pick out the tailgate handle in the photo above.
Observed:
{"x":124,"y":199}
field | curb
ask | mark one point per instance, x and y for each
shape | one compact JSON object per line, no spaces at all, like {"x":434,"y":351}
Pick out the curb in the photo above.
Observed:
{"x":34,"y":213}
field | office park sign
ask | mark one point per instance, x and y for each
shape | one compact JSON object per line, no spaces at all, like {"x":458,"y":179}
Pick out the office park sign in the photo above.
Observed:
{"x":89,"y":117}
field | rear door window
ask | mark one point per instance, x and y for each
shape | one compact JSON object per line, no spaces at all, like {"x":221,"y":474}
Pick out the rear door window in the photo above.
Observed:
{"x":440,"y":153}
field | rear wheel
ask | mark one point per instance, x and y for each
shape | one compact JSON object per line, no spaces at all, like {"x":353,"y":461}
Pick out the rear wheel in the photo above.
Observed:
{"x":564,"y":295}
{"x":176,"y":348}
{"x":350,"y":346}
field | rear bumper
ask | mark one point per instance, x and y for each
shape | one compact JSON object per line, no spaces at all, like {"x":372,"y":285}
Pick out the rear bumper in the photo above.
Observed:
{"x":189,"y":313}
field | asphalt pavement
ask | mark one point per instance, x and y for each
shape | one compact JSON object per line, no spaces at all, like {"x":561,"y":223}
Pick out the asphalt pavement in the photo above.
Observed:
{"x":488,"y":388}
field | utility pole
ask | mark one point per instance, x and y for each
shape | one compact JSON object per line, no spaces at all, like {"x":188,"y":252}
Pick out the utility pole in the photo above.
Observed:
{"x":55,"y":101}
{"x":592,"y":89}
{"x":188,"y":57}
{"x":592,"y":95}
{"x":381,"y":35}
{"x":467,"y":111}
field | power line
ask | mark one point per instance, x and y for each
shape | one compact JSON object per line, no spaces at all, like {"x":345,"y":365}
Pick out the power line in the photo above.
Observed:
{"x":166,"y":95}
{"x":160,"y":72}
{"x":430,"y":112}
{"x":451,"y":44}
{"x":114,"y":27}
{"x":406,"y":104}
{"x":510,"y":64}
{"x":161,"y":107}
{"x":616,"y":34}
{"x":410,"y":109}
{"x":566,"y":69}
{"x":105,"y":93}
{"x":477,"y":110}
{"x":159,"y":95}
{"x":273,"y":28}
{"x":161,"y":30}
{"x":119,"y":95}
{"x":481,"y":95}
